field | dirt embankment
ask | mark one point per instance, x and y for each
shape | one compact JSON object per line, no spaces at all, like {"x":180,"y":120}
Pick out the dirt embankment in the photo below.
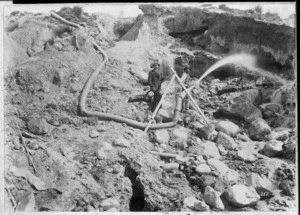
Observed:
{"x":225,"y":32}
{"x":86,"y":164}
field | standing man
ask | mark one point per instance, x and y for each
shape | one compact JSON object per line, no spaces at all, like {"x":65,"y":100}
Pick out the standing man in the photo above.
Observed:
{"x":154,"y":80}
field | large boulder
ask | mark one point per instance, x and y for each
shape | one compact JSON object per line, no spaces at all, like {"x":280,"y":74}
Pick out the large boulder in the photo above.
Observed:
{"x":212,"y":198}
{"x":241,"y":196}
{"x":207,"y":149}
{"x":241,"y":108}
{"x":226,"y":141}
{"x":259,"y":130}
{"x":228,"y":128}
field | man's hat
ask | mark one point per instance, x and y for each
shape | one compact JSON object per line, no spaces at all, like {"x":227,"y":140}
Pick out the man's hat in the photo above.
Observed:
{"x":153,"y":64}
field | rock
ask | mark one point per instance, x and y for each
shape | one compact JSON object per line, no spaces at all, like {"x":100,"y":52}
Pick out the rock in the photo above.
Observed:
{"x":203,"y":169}
{"x":26,"y":202}
{"x":207,"y":148}
{"x":113,"y":210}
{"x":167,"y":105}
{"x":222,"y":150}
{"x":195,"y":204}
{"x":281,"y":135}
{"x":109,"y":203}
{"x":105,"y":146}
{"x":264,"y":193}
{"x":91,"y":209}
{"x":162,"y":136}
{"x":94,"y":134}
{"x":201,"y":159}
{"x":165,"y":115}
{"x":241,"y":108}
{"x":206,"y":132}
{"x":180,"y":159}
{"x":241,"y":196}
{"x":77,"y":122}
{"x":273,"y":148}
{"x":243,"y":137}
{"x":121,"y":141}
{"x":288,"y":187}
{"x":65,"y":120}
{"x":262,"y":206}
{"x":219,"y":166}
{"x":268,"y":109}
{"x":164,"y":146}
{"x":196,"y":125}
{"x":38,"y":126}
{"x":75,"y":87}
{"x":35,"y":181}
{"x":226,"y":141}
{"x":170,"y":167}
{"x":289,"y":151}
{"x":101,"y":154}
{"x":228,"y":128}
{"x":101,"y":128}
{"x":231,"y":176}
{"x":246,"y":156}
{"x":259,"y":130}
{"x":208,"y":180}
{"x":54,"y":122}
{"x":251,"y":94}
{"x":122,"y":26}
{"x":220,"y":186}
{"x":212,"y":198}
{"x":180,"y":136}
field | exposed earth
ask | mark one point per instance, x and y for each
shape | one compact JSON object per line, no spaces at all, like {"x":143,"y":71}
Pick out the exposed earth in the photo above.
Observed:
{"x":244,"y":160}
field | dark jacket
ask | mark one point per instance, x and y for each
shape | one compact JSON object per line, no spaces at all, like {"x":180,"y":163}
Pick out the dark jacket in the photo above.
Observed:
{"x":155,"y":80}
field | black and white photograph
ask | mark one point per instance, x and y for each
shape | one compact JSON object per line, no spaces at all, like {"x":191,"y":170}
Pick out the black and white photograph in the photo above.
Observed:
{"x":188,"y":108}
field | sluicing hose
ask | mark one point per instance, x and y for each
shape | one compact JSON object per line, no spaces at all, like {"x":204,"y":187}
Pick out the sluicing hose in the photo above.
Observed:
{"x":107,"y":116}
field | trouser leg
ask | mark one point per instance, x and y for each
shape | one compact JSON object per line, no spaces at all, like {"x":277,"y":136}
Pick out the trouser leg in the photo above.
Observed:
{"x":157,"y":97}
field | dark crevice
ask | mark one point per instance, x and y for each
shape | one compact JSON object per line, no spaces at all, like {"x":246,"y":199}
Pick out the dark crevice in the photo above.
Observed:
{"x":194,"y":33}
{"x":137,"y":201}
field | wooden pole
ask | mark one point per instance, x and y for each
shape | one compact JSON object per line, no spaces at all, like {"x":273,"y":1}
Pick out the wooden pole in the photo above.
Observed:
{"x":157,"y":107}
{"x":188,"y":93}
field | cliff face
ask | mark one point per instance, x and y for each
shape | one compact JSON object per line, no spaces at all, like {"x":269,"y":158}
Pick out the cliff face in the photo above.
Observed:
{"x":224,"y":33}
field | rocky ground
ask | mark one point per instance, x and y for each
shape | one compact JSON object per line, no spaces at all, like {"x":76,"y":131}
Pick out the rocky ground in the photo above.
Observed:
{"x":245,"y":160}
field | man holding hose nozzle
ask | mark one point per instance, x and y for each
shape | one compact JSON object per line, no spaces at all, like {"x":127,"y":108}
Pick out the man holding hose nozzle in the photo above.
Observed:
{"x":185,"y":102}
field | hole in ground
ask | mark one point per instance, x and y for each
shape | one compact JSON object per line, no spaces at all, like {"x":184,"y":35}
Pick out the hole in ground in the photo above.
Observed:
{"x":137,"y":201}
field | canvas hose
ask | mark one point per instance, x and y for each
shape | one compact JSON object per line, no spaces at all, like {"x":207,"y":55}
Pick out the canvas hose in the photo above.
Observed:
{"x":107,"y":116}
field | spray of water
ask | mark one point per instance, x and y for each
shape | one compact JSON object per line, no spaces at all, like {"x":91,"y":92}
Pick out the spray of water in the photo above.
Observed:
{"x":245,"y":60}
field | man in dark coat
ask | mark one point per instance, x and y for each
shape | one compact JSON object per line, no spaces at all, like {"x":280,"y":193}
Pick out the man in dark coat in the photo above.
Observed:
{"x":154,"y":80}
